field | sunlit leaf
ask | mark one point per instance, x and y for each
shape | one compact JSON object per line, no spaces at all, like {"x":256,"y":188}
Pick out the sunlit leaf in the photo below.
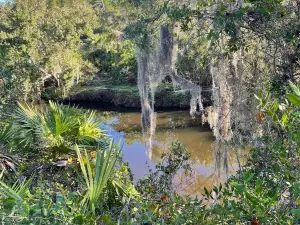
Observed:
{"x":239,"y":187}
{"x":294,"y":99}
{"x":284,"y":118}
{"x":295,"y":89}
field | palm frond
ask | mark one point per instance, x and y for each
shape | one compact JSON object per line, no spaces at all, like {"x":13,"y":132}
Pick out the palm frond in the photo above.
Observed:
{"x":60,"y":118}
{"x":29,"y":123}
{"x":95,"y":182}
{"x":6,"y":134}
{"x":89,"y":130}
{"x":7,"y":161}
{"x":54,"y":130}
{"x":17,"y":191}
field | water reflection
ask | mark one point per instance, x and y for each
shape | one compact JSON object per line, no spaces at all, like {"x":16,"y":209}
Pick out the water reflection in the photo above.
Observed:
{"x":125,"y":126}
{"x":171,"y":126}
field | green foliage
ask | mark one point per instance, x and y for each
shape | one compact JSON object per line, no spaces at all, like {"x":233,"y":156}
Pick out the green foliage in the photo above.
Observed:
{"x":116,"y":64}
{"x":50,"y":42}
{"x":267,"y":189}
{"x":96,"y":180}
{"x":16,"y":192}
{"x":42,"y":206}
{"x":263,"y":190}
{"x":54,"y":129}
{"x":111,"y":53}
{"x":159,"y":181}
{"x":41,"y":42}
{"x":53,"y":203}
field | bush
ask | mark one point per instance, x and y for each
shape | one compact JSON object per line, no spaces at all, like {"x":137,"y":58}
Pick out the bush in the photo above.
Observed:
{"x":53,"y":130}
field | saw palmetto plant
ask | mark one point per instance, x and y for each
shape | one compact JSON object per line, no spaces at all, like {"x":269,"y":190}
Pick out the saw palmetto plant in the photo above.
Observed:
{"x":7,"y":162}
{"x":54,"y":129}
{"x":17,"y":191}
{"x":96,"y":179}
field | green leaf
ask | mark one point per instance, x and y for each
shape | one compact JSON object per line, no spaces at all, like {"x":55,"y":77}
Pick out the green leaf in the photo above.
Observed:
{"x":248,"y":177}
{"x":295,"y":89}
{"x":269,"y":112}
{"x":216,"y":190}
{"x":275,"y":117}
{"x":17,"y":191}
{"x":275,"y":106}
{"x":252,"y":198}
{"x":25,"y":207}
{"x":59,"y":199}
{"x":293,"y":99}
{"x":296,"y":189}
{"x":258,"y":187}
{"x":9,"y":203}
{"x":284,"y":118}
{"x":297,"y":201}
{"x":260,"y":94}
{"x":78,"y":219}
{"x":44,"y":212}
{"x":96,"y":182}
{"x":223,"y":8}
{"x":239,"y":13}
{"x":296,"y":213}
{"x":206,"y":191}
{"x":239,"y":187}
{"x":261,"y":10}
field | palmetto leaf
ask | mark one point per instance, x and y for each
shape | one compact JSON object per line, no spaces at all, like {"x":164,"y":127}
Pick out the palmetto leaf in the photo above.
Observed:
{"x":6,"y":133}
{"x":29,"y":124}
{"x":17,"y":191}
{"x":7,"y":161}
{"x":293,"y":99}
{"x":60,"y":119}
{"x":88,"y":129}
{"x":56,"y":129}
{"x":95,"y":182}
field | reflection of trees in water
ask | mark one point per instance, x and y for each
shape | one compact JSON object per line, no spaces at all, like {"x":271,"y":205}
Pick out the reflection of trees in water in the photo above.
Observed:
{"x":166,"y":120}
{"x":193,"y":186}
{"x":198,"y":144}
{"x":104,"y":117}
{"x":197,"y":140}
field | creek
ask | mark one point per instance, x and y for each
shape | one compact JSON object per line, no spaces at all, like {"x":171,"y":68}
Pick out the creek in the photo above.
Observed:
{"x":124,"y":126}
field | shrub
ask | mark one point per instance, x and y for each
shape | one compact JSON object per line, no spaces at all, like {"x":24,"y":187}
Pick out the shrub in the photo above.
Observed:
{"x":54,"y":129}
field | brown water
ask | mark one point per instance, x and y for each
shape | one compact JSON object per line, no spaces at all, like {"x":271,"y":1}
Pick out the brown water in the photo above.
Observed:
{"x":179,"y":125}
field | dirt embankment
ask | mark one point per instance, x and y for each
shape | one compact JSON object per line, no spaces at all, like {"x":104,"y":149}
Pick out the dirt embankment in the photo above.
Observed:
{"x":128,"y":96}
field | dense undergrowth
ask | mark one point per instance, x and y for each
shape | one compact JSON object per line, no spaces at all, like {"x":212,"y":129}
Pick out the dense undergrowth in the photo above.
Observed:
{"x":60,"y":168}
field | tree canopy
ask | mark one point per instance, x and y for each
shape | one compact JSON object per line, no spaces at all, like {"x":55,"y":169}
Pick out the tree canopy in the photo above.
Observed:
{"x":45,"y":40}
